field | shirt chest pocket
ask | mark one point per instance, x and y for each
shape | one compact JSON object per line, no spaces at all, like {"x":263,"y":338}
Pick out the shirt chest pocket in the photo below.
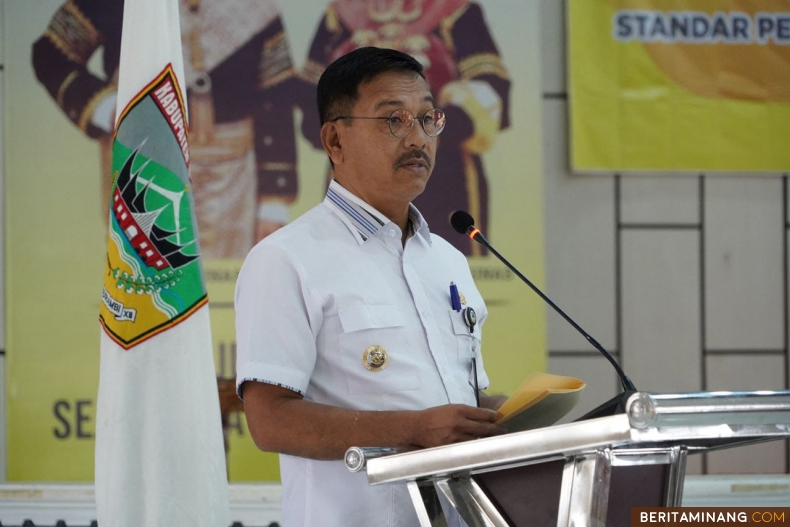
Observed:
{"x":374,"y":349}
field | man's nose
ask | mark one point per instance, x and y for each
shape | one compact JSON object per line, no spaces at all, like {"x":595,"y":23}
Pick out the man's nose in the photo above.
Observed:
{"x":418,"y":138}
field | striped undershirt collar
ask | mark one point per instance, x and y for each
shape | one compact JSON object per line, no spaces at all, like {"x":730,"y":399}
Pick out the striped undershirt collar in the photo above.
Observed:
{"x":363,"y":220}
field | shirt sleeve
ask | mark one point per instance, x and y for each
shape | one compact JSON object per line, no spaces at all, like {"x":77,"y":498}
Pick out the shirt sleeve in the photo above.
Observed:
{"x":275,"y":141}
{"x":329,"y":34}
{"x":60,"y":58}
{"x":278,"y":317}
{"x":479,"y":59}
{"x":478,"y":101}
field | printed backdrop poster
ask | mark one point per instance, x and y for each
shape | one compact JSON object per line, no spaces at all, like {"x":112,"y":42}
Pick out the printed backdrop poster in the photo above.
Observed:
{"x":250,"y":68}
{"x":679,"y":85}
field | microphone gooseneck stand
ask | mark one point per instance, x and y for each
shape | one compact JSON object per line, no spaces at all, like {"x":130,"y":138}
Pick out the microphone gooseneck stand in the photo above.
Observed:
{"x":463,"y":223}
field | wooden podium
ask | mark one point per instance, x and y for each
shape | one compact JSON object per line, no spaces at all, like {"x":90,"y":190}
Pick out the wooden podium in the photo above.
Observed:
{"x":583,"y":473}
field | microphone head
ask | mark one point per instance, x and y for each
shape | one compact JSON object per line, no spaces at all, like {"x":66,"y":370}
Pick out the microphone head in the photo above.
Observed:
{"x":462,"y":221}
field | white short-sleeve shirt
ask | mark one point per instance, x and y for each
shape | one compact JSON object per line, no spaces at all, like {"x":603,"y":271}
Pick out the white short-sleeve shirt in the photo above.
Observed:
{"x":314,"y":297}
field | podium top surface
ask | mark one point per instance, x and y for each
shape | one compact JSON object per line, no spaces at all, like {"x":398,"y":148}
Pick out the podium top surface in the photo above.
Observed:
{"x":698,"y":421}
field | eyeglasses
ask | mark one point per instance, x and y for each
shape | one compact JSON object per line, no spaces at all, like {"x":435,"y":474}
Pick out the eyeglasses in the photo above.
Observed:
{"x":402,"y":122}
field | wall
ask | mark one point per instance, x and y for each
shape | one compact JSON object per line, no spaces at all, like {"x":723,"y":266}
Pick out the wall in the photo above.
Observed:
{"x":2,"y":265}
{"x":684,"y":279}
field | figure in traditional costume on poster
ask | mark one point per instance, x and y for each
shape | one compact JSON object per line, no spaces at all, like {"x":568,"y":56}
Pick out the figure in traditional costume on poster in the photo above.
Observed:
{"x":463,"y":66}
{"x":239,"y":76}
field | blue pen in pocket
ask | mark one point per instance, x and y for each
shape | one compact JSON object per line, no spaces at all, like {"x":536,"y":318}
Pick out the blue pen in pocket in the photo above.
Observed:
{"x":455,"y":299}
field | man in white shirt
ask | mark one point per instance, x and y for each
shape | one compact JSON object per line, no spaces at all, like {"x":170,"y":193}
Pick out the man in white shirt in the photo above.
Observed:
{"x":347,"y":334}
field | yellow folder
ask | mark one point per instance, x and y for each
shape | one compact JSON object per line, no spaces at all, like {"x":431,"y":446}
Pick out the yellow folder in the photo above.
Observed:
{"x":541,"y":400}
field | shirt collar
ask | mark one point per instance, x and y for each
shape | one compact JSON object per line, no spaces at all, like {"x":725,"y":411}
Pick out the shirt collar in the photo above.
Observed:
{"x":363,"y":220}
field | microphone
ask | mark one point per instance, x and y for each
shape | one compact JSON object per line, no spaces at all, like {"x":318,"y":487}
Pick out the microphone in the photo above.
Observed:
{"x":464,"y":223}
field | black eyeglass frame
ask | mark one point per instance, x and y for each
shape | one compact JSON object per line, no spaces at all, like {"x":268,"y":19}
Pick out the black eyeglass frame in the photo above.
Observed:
{"x":390,"y":119}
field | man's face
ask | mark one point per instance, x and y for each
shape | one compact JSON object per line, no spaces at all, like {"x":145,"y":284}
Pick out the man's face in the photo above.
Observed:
{"x":374,"y":164}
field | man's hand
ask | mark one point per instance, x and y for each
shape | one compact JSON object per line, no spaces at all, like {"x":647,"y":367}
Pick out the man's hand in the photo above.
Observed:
{"x":270,"y":215}
{"x":492,"y":402}
{"x":453,"y":423}
{"x":263,"y":228}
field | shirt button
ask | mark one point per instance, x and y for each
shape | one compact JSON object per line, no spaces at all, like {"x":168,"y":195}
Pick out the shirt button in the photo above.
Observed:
{"x":392,"y":232}
{"x":426,"y":314}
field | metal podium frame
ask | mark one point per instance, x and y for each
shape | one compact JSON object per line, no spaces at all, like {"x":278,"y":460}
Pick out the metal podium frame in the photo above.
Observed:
{"x":656,"y":429}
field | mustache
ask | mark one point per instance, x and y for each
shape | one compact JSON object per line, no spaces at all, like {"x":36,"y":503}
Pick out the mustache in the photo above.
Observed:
{"x":413,"y":154}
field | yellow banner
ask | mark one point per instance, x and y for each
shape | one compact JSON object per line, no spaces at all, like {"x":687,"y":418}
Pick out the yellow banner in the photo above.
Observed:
{"x":250,"y":169}
{"x":679,"y":85}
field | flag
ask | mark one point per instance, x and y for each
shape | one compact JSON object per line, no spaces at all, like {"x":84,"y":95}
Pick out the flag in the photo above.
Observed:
{"x":160,"y":457}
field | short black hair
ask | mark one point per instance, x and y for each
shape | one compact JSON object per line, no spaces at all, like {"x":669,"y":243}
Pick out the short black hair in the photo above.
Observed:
{"x":338,"y":85}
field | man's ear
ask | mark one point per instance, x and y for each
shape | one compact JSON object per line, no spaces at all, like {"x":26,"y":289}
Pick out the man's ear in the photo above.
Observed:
{"x":330,"y":138}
